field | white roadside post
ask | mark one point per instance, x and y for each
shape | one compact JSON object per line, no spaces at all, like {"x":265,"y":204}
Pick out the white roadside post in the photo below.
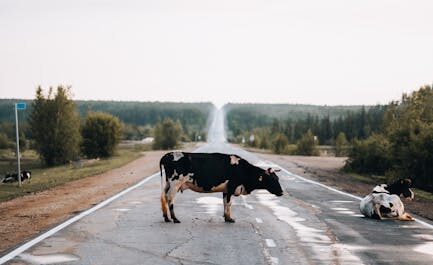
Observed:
{"x":18,"y":106}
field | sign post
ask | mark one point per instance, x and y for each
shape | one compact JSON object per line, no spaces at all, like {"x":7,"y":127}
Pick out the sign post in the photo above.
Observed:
{"x":18,"y":106}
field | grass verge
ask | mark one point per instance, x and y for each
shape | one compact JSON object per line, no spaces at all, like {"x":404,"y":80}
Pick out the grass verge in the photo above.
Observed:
{"x":48,"y":177}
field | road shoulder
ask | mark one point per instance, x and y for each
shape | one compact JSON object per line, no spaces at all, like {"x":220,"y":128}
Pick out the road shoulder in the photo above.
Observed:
{"x":327,"y":170}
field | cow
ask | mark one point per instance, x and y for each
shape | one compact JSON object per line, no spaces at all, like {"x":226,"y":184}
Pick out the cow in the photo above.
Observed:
{"x":211,"y":172}
{"x":384,"y":201}
{"x":13,"y":177}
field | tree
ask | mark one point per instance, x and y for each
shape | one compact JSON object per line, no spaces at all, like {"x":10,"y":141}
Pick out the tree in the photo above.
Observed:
{"x":307,"y":145}
{"x":279,"y":145}
{"x":167,"y":134}
{"x":101,"y":134}
{"x":55,"y":126}
{"x":340,"y":144}
{"x":370,"y":155}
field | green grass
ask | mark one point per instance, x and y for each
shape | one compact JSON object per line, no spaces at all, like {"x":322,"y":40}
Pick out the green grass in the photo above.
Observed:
{"x":368,"y":179}
{"x":48,"y":177}
{"x":425,"y":195}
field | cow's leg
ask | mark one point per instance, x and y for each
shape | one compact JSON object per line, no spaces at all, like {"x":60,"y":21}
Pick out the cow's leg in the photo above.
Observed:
{"x":377,"y":214}
{"x":406,"y":217}
{"x":165,"y":185}
{"x":171,"y":193}
{"x":164,"y":205}
{"x":227,"y":208}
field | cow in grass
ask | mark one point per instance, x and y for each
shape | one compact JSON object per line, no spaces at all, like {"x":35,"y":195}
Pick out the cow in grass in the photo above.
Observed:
{"x":384,"y":201}
{"x":13,"y":177}
{"x":211,"y":172}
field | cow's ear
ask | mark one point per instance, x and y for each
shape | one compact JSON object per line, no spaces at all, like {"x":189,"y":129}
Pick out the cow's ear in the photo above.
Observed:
{"x":260,"y":178}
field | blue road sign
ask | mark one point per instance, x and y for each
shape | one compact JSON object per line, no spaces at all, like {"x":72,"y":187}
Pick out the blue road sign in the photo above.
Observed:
{"x":21,"y":105}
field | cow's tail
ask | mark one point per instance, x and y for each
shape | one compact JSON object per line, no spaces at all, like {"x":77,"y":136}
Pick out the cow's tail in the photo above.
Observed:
{"x":163,"y":179}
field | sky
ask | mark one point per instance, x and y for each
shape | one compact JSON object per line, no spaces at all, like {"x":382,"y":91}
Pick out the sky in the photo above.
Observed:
{"x":333,"y":52}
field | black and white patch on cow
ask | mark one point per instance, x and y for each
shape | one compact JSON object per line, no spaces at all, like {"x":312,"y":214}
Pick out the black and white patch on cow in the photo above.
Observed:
{"x":384,"y":201}
{"x":215,"y":172}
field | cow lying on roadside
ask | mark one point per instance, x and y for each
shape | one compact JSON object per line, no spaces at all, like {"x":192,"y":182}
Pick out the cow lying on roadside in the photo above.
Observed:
{"x":384,"y":201}
{"x":13,"y":177}
{"x":215,"y":172}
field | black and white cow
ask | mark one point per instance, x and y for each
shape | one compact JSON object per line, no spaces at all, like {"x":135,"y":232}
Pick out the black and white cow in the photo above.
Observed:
{"x":384,"y":201}
{"x":212,"y":172}
{"x":13,"y":177}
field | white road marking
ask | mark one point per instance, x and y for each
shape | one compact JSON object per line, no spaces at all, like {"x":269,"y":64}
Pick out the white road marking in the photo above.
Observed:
{"x":48,"y":258}
{"x":135,"y":202}
{"x":340,"y":209}
{"x":246,"y":204}
{"x":275,"y":260}
{"x":259,"y":221}
{"x":270,"y":243}
{"x":210,"y":204}
{"x":122,"y":209}
{"x":316,"y":238}
{"x":74,"y":219}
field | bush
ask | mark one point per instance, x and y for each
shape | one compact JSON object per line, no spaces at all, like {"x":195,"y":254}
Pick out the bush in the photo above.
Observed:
{"x":167,"y":134}
{"x":370,"y":155}
{"x":101,"y":134}
{"x":340,"y":144}
{"x":5,"y":142}
{"x":279,"y":144}
{"x":307,"y":145}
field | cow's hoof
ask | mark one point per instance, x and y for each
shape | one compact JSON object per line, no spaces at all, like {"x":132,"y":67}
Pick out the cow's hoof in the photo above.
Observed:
{"x":229,"y":220}
{"x":176,"y":221}
{"x":167,"y":220}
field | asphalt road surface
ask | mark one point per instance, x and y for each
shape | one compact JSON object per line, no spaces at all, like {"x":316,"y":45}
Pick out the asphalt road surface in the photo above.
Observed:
{"x":312,"y":224}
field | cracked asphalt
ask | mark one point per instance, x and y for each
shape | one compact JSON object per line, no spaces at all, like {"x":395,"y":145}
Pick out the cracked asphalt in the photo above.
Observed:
{"x":310,"y":225}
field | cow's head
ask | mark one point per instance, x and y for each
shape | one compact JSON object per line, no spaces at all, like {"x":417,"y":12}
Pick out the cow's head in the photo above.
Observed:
{"x":402,"y":187}
{"x":269,"y":180}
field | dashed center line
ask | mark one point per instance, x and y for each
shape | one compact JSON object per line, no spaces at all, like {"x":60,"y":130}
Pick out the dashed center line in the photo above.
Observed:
{"x":270,"y":243}
{"x":259,"y":221}
{"x":122,"y":209}
{"x":275,"y":260}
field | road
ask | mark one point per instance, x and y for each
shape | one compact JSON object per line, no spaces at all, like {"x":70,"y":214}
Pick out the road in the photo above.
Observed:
{"x":312,"y":224}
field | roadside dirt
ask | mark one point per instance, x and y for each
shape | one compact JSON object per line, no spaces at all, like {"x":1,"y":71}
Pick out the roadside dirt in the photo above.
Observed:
{"x":327,"y":170}
{"x":23,"y":218}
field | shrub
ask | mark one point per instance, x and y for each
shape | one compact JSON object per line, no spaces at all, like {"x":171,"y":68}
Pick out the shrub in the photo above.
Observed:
{"x":307,"y":145}
{"x":101,"y":134}
{"x":5,"y":142}
{"x":340,"y":144}
{"x":279,"y":144}
{"x":370,"y":155}
{"x":167,"y":134}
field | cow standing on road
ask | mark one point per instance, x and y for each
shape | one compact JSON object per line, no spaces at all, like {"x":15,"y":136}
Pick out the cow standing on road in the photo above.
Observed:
{"x":212,"y":172}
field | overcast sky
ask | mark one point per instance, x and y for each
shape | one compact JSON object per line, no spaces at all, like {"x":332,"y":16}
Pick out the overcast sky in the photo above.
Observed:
{"x":308,"y":51}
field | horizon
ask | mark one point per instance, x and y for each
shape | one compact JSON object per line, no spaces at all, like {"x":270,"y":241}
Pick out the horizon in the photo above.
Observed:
{"x":217,"y":106}
{"x":338,"y":53}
